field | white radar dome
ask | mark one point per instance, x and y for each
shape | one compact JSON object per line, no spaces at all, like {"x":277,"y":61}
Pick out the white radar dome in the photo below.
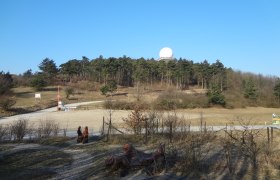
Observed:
{"x":166,"y":53}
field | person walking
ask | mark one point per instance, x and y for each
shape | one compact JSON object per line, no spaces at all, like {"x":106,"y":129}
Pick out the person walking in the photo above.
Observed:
{"x":80,"y":135}
{"x":85,"y":135}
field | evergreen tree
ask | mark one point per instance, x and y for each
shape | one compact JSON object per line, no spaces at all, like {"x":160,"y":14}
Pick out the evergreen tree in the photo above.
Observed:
{"x":250,"y":90}
{"x":215,"y":95}
{"x":38,"y":82}
{"x":277,"y":91}
{"x":48,"y":67}
{"x":27,"y":74}
{"x":6,"y":82}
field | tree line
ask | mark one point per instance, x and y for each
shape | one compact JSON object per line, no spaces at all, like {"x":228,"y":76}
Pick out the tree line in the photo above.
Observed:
{"x":126,"y":71}
{"x":223,"y":84}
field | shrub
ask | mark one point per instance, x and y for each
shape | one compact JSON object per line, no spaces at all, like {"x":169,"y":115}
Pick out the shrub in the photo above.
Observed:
{"x":195,"y":150}
{"x":123,"y":105}
{"x":47,"y":127}
{"x":111,"y":86}
{"x":170,"y":101}
{"x":68,"y":92}
{"x":194,"y":101}
{"x":7,"y":102}
{"x":38,"y":82}
{"x":135,"y":121}
{"x":104,"y":90}
{"x":19,"y":129}
{"x":167,"y":104}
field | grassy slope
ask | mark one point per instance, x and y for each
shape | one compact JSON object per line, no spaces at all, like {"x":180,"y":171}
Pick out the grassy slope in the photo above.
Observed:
{"x":25,"y":99}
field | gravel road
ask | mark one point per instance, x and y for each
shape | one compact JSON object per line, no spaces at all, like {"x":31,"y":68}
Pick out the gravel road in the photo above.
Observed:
{"x":94,"y":118}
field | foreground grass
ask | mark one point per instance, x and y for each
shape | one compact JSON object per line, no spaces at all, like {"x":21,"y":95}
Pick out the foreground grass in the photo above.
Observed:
{"x":32,"y":163}
{"x":191,"y":155}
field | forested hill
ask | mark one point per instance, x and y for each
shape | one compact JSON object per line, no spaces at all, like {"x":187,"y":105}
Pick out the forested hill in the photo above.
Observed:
{"x":224,"y":85}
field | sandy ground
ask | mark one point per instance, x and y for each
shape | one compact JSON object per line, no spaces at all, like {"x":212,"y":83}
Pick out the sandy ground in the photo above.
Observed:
{"x":94,"y":118}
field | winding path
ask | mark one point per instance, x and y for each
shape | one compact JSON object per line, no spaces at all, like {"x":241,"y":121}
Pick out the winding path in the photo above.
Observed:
{"x":43,"y":112}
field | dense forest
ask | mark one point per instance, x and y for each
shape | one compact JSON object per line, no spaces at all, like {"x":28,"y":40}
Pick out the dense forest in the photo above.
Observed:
{"x":225,"y":86}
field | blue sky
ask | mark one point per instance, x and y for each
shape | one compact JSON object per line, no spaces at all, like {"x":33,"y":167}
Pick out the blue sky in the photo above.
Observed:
{"x":242,"y":34}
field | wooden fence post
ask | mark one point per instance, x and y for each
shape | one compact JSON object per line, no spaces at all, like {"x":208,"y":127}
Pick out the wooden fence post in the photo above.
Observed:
{"x":201,"y":119}
{"x":268,"y":139}
{"x":157,"y":125}
{"x":162,"y":126}
{"x":226,"y":131}
{"x":170,"y":132}
{"x":146,"y":134}
{"x":103,"y":126}
{"x":271,"y":134}
{"x":109,"y":130}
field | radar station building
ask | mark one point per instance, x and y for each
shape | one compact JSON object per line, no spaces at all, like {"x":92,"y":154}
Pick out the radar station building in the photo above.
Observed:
{"x":165,"y":54}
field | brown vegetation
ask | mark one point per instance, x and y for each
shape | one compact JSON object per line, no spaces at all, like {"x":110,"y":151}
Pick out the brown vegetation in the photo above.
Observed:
{"x":235,"y":154}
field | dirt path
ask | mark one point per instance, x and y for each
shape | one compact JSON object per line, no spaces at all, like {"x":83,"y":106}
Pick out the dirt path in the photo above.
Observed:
{"x":76,"y":161}
{"x":66,"y":119}
{"x":82,"y":161}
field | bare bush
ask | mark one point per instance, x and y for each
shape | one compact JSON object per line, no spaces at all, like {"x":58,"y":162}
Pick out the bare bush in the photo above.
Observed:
{"x":19,"y":129}
{"x":65,"y":129}
{"x":170,"y":100}
{"x":183,"y":126}
{"x":31,"y":132}
{"x":47,"y":127}
{"x":38,"y":132}
{"x":55,"y":129}
{"x":135,"y":121}
{"x":118,"y":105}
{"x":171,"y":123}
{"x":152,"y":122}
{"x":3,"y":131}
{"x":248,"y":141}
{"x":123,"y":105}
{"x":196,"y":148}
